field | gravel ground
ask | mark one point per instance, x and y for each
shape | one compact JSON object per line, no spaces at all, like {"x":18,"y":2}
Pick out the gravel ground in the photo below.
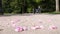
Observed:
{"x":29,"y":20}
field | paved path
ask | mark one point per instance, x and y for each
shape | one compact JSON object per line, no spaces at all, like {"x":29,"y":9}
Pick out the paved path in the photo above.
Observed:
{"x":29,"y":20}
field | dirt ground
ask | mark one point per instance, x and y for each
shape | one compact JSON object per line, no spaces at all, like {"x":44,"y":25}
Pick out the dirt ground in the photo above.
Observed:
{"x":29,"y":20}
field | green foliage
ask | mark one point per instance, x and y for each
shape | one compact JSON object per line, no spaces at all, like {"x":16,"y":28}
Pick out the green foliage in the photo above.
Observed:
{"x":47,"y":5}
{"x":54,"y":12}
{"x":24,"y":6}
{"x":29,"y":10}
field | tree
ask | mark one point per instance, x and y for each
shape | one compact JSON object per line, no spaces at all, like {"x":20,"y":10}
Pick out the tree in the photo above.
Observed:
{"x":1,"y":12}
{"x":57,"y":5}
{"x":24,"y":6}
{"x":47,"y":5}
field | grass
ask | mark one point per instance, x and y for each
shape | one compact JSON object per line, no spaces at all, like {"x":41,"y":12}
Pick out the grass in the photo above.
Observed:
{"x":54,"y":12}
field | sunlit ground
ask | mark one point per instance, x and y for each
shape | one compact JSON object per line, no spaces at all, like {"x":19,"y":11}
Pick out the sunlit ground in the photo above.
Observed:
{"x":30,"y":24}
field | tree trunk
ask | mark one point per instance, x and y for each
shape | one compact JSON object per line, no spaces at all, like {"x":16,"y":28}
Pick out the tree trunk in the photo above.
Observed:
{"x":57,"y":5}
{"x":1,"y":12}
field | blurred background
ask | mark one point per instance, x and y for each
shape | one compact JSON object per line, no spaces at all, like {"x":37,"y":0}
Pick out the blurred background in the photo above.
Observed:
{"x":29,"y":6}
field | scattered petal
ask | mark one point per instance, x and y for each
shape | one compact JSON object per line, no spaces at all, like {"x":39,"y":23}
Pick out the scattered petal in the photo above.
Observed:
{"x":13,"y":25}
{"x":15,"y":21}
{"x":35,"y":27}
{"x":52,"y":27}
{"x":12,"y":21}
{"x":25,"y":28}
{"x":19,"y":29}
{"x":41,"y":27}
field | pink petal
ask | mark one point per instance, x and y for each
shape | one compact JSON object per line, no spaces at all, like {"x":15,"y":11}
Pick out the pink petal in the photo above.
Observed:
{"x":25,"y":28}
{"x":13,"y":25}
{"x":12,"y":21}
{"x":19,"y":29}
{"x":41,"y":27}
{"x":35,"y":27}
{"x":15,"y":21}
{"x":53,"y":27}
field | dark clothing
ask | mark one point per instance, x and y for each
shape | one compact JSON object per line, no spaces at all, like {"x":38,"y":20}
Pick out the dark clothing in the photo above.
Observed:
{"x":38,"y":10}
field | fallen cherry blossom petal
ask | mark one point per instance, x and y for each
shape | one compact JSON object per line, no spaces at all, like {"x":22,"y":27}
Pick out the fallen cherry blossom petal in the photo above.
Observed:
{"x":13,"y":25}
{"x":35,"y":27}
{"x":15,"y":21}
{"x":49,"y":20}
{"x":12,"y":21}
{"x":19,"y":29}
{"x":41,"y":27}
{"x":52,"y":27}
{"x":25,"y":28}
